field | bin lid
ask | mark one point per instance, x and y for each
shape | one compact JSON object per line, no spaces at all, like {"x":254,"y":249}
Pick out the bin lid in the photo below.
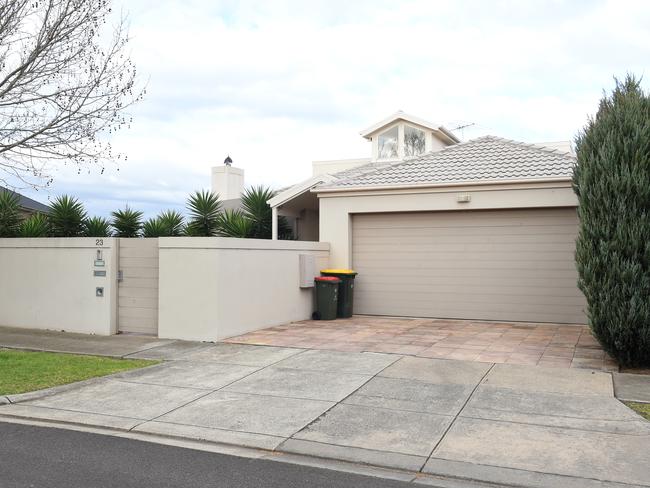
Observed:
{"x":331,"y":279}
{"x":339,"y":271}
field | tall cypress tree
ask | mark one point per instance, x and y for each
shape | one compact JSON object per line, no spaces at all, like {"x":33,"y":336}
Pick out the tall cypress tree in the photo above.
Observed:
{"x":612,"y":182}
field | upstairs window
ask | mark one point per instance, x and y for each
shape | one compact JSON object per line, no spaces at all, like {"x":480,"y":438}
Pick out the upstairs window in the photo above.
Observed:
{"x":413,"y":141}
{"x":387,"y":144}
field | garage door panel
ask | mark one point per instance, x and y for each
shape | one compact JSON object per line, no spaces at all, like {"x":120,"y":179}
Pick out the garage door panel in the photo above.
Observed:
{"x":481,"y":280}
{"x":450,"y":219}
{"x":468,"y":264}
{"x":493,"y":245}
{"x":470,"y":230}
{"x":543,"y":315}
{"x":477,"y":256}
{"x":476,"y":293}
{"x":492,"y":265}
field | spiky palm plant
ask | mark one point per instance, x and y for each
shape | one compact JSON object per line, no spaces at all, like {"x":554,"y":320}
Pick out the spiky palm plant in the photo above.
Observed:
{"x":67,"y":216}
{"x":97,"y":227}
{"x":259,"y":212}
{"x":36,"y":225}
{"x":127,"y":222}
{"x":9,"y":213}
{"x":204,"y":208}
{"x":173,"y":222}
{"x":154,"y":227}
{"x":233,"y":223}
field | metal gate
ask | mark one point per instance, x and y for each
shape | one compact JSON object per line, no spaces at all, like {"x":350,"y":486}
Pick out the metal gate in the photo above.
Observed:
{"x":138,"y":286}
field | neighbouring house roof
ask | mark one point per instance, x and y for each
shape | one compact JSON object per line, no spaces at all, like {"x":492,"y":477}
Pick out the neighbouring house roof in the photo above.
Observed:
{"x":399,"y":115}
{"x":27,"y":203}
{"x":486,"y":159}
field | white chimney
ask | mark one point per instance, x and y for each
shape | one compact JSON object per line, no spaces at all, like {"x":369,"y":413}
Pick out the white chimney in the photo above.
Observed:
{"x":227,"y":181}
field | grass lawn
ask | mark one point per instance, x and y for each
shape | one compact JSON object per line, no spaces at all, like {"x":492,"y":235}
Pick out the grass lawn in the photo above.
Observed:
{"x":23,"y":371}
{"x":642,"y":409}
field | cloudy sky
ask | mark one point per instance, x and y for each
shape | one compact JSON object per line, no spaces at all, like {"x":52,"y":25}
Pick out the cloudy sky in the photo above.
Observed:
{"x":278,"y":84}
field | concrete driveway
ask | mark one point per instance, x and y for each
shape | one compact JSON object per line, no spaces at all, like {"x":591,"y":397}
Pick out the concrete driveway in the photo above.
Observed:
{"x":503,"y":423}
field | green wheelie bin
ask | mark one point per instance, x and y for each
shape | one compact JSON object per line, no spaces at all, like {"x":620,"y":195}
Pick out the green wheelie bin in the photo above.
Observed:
{"x":327,"y":297}
{"x":346,"y":289}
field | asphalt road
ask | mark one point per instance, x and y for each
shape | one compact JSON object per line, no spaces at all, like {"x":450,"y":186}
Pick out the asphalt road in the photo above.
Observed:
{"x":38,"y":457}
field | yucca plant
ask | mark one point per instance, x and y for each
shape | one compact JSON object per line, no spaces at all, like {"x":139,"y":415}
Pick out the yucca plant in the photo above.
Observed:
{"x":9,"y":214}
{"x":67,"y":217}
{"x":259,"y":212}
{"x":173,"y":223}
{"x":233,"y":223}
{"x":204,"y":208}
{"x":97,"y":227}
{"x":36,"y":225}
{"x":154,"y":227}
{"x":127,"y":222}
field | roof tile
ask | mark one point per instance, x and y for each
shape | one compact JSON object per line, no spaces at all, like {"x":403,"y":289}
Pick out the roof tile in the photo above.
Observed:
{"x":486,"y":158}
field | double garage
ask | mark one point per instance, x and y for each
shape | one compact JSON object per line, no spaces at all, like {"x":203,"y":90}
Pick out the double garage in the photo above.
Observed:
{"x":501,"y":265}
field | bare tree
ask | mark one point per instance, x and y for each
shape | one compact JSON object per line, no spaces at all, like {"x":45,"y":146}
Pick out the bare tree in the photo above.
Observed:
{"x":64,"y":86}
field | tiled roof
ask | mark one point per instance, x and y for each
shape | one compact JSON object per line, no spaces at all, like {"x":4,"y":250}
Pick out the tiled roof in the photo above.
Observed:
{"x":27,"y":203}
{"x":487,"y":158}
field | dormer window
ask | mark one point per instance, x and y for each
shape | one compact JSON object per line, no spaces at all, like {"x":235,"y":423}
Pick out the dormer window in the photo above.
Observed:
{"x":387,"y":144}
{"x":405,"y":136}
{"x":414,"y":144}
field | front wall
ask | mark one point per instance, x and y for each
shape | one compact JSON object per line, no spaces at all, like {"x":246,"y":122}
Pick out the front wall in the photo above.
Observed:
{"x":212,"y":288}
{"x":49,"y":283}
{"x":513,"y":265}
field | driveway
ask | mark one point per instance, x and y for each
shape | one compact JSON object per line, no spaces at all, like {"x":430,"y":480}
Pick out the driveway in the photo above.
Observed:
{"x":553,"y":345}
{"x":504,"y":423}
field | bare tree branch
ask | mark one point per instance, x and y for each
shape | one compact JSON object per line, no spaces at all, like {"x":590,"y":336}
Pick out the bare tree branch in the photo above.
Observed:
{"x":64,"y":87}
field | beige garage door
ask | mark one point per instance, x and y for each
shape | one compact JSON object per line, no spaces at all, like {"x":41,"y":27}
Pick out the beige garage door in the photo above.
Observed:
{"x":511,"y":265}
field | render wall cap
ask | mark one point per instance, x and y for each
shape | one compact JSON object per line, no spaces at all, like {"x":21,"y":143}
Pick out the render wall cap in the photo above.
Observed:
{"x":237,"y":243}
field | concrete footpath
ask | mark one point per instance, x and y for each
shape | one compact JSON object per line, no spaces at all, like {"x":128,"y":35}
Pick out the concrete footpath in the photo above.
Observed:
{"x":428,"y":419}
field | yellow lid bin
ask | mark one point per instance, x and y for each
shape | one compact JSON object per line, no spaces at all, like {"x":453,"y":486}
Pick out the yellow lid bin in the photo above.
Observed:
{"x":346,"y":290}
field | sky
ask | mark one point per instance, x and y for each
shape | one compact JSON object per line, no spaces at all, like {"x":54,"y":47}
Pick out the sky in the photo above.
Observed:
{"x":279,"y":84}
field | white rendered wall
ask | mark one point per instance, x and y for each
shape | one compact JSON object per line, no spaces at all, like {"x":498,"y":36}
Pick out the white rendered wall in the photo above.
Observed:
{"x":331,"y":167}
{"x":212,"y":288}
{"x":227,"y":182}
{"x":49,"y":284}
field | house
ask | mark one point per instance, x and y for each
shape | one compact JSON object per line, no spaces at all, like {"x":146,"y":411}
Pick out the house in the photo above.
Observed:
{"x":435,"y":227}
{"x":27,"y":205}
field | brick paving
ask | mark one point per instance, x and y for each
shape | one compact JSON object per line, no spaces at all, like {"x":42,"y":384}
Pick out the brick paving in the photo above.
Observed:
{"x":550,"y":345}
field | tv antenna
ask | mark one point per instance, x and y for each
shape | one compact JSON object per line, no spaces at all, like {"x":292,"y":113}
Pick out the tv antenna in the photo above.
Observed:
{"x":462,"y":128}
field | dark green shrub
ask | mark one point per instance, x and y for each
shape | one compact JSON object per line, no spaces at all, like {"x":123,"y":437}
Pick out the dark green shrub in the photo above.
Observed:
{"x":97,"y":227}
{"x":67,"y":216}
{"x":612,"y":181}
{"x":127,"y":222}
{"x":36,"y":225}
{"x":204,"y":208}
{"x":173,"y":223}
{"x":259,"y":212}
{"x":9,"y":214}
{"x":154,"y":227}
{"x":233,"y":223}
